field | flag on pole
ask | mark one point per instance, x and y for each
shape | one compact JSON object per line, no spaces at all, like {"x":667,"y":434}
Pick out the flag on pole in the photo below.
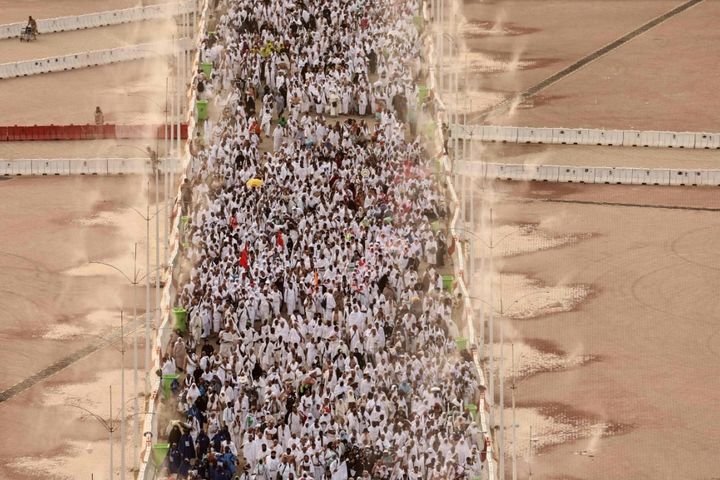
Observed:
{"x":244,"y":258}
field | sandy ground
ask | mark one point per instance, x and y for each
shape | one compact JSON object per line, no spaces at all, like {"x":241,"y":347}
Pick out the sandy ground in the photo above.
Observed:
{"x":630,"y":370}
{"x":37,"y":100}
{"x":651,"y":83}
{"x":128,"y":93}
{"x":12,"y":11}
{"x":66,"y":43}
{"x":54,"y":304}
{"x":79,"y":149}
{"x":596,"y":156}
{"x":536,"y":39}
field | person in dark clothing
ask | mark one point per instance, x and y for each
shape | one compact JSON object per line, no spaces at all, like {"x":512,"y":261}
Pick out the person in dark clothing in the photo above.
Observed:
{"x":202,"y":444}
{"x":187,"y":447}
{"x":174,"y":458}
{"x":175,"y":435}
{"x":186,"y":196}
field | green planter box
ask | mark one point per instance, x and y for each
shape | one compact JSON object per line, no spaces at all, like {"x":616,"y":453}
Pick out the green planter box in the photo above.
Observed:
{"x":167,"y":382}
{"x":472,"y":408}
{"x":202,"y":109}
{"x":180,"y":315}
{"x":207,"y":68}
{"x":461,"y":343}
{"x":448,"y":282}
{"x":159,"y":452}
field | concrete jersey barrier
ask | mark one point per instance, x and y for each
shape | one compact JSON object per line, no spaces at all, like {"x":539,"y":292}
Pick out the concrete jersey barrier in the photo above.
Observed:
{"x":585,"y":136}
{"x":101,"y":19}
{"x":586,"y":174}
{"x":80,"y":166}
{"x":92,"y":58}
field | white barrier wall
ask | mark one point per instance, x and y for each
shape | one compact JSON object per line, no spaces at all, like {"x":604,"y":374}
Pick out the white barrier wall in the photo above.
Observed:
{"x":101,"y":19}
{"x":583,"y":136}
{"x":92,"y":58}
{"x":584,"y":174}
{"x":78,"y":166}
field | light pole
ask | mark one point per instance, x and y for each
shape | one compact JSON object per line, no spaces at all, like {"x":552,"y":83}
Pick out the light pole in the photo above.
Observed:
{"x":501,"y":374}
{"x":514,"y":423}
{"x":134,"y":281}
{"x":167,"y":159}
{"x":109,"y":425}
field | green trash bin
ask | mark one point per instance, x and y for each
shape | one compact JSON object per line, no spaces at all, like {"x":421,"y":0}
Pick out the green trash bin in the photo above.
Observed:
{"x":184,"y":221}
{"x":472,"y":408}
{"x":207,"y":68}
{"x":448,"y":282}
{"x":180,"y":319}
{"x":167,"y":382}
{"x":461,"y":343}
{"x":423,"y":93}
{"x":159,"y":452}
{"x":436,"y":226}
{"x":202,"y":109}
{"x":429,"y":130}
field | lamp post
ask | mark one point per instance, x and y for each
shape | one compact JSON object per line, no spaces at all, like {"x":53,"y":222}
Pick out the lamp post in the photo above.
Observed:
{"x":110,"y":425}
{"x":167,"y":159}
{"x":147,"y":219}
{"x":134,"y":281}
{"x":501,"y":377}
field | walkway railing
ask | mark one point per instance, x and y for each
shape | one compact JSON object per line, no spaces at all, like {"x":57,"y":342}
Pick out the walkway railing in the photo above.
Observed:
{"x":148,"y":469}
{"x":459,"y":257}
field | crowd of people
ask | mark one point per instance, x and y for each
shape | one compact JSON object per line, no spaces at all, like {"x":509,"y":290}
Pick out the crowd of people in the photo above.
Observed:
{"x":318,"y":343}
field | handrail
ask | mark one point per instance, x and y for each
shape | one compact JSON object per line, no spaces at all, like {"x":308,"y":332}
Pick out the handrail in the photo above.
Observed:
{"x":147,"y":471}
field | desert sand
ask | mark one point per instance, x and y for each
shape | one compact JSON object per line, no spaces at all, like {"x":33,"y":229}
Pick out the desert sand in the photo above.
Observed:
{"x":56,"y":303}
{"x":622,"y":383}
{"x":661,"y":80}
{"x":13,"y":11}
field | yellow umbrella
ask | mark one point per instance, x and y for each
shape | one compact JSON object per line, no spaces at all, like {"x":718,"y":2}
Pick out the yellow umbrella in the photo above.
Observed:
{"x":254,"y":182}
